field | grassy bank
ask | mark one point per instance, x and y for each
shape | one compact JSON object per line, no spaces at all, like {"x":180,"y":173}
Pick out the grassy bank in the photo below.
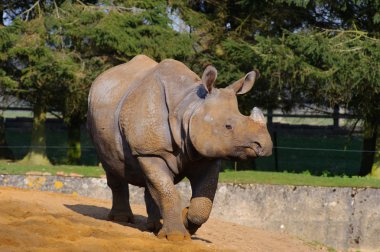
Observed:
{"x":283,"y":178}
{"x":86,"y":171}
{"x":242,"y":177}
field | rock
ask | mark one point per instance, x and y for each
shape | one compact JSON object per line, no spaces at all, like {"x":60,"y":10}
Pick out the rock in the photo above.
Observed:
{"x":34,"y":173}
{"x":61,"y":173}
{"x":75,"y":175}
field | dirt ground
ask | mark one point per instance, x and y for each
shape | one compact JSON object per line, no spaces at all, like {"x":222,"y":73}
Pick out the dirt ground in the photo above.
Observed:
{"x":43,"y":221}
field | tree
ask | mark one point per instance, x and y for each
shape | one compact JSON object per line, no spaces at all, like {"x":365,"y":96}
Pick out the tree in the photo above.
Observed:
{"x":41,"y":73}
{"x":136,"y":28}
{"x":6,"y":41}
{"x":329,"y":67}
{"x":61,"y":46}
{"x":308,"y":52}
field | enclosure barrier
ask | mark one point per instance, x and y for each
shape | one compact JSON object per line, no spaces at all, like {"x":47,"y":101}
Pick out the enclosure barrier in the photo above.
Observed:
{"x":316,"y":161}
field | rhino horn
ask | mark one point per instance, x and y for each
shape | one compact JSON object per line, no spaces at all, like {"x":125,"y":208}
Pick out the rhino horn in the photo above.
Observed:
{"x":257,"y":115}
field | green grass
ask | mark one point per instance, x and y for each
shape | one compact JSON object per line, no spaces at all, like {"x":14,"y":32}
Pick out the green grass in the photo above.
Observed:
{"x":86,"y":171}
{"x":240,"y":177}
{"x":284,"y":178}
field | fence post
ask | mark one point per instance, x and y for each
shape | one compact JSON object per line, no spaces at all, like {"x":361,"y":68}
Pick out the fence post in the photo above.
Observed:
{"x":336,"y":116}
{"x":275,"y":151}
{"x":270,"y":118}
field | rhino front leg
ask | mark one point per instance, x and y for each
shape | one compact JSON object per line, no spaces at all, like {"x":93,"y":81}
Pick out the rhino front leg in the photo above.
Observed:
{"x":160,"y":184}
{"x":204,"y":181}
{"x":121,"y":209}
{"x":154,"y":215}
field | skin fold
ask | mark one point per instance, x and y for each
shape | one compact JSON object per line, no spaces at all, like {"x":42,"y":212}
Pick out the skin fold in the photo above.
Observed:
{"x":153,"y":124}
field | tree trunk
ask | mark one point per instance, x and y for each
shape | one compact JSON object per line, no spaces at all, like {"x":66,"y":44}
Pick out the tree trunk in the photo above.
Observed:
{"x":74,"y":151}
{"x":336,"y":117}
{"x":37,"y":150}
{"x":376,"y":164}
{"x":369,"y":146}
{"x":5,"y":152}
{"x":1,"y":13}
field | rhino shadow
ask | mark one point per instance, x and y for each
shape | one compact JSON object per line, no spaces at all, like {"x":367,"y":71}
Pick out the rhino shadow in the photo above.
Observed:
{"x":101,"y":213}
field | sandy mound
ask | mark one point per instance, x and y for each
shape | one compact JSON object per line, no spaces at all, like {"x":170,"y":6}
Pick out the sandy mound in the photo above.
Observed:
{"x":41,"y":221}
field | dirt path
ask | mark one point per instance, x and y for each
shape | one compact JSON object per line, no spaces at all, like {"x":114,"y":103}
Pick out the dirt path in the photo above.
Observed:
{"x":42,"y":221}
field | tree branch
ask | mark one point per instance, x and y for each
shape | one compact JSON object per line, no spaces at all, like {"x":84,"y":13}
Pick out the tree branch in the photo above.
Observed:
{"x":30,"y":9}
{"x":134,"y":10}
{"x":56,"y":8}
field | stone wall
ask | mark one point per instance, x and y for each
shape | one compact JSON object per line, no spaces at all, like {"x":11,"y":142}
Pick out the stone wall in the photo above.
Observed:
{"x":343,"y":218}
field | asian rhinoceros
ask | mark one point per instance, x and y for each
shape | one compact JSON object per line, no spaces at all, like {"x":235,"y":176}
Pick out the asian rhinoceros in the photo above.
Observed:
{"x":153,"y":124}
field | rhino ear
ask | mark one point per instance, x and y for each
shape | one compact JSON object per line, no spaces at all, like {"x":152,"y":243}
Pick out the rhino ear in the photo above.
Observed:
{"x":245,"y":84}
{"x":209,"y":77}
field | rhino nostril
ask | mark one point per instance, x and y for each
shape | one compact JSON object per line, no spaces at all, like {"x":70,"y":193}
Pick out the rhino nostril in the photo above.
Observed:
{"x":228,"y":126}
{"x":258,"y":145}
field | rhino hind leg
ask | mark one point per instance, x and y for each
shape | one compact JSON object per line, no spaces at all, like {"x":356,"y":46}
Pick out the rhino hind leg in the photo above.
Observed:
{"x":121,"y":210}
{"x":153,"y":222}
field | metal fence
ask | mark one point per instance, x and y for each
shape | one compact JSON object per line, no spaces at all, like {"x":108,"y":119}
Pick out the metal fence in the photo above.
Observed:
{"x":318,"y":150}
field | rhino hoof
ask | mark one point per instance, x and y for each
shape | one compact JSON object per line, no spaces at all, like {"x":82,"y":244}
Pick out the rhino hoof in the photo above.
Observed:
{"x":174,"y":236}
{"x":191,"y":227}
{"x":121,"y":217}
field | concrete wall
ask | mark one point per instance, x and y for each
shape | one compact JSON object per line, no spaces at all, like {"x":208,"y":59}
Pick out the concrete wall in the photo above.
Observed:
{"x":343,"y":218}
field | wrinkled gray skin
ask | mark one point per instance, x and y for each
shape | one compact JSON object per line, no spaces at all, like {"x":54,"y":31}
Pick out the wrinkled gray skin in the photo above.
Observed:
{"x":155,"y":123}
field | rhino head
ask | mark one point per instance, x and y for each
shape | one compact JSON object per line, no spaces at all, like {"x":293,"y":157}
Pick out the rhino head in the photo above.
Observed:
{"x":218,"y":130}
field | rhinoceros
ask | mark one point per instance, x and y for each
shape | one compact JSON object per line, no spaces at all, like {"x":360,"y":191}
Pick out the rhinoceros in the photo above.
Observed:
{"x":154,"y":124}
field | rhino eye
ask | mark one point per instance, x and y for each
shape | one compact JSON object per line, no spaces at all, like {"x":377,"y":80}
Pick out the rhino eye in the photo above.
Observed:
{"x":228,"y":126}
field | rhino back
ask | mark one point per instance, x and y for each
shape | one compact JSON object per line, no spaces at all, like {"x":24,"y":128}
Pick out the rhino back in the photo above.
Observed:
{"x":105,"y":95}
{"x":144,"y":114}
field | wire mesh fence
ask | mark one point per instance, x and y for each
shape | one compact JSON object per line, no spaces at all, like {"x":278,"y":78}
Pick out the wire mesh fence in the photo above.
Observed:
{"x":317,"y":153}
{"x":18,"y":141}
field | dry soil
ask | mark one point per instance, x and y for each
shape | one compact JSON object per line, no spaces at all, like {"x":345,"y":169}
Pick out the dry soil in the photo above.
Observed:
{"x":44,"y":221}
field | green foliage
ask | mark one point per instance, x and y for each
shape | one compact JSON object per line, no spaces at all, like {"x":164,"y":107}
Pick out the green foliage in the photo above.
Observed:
{"x":325,"y":67}
{"x":293,"y":42}
{"x":86,"y":171}
{"x":309,"y":52}
{"x":322,"y":52}
{"x":6,"y":81}
{"x":7,"y":39}
{"x":55,"y":49}
{"x":34,"y":71}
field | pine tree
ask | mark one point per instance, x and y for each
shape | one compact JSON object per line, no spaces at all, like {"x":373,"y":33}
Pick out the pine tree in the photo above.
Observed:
{"x":61,"y":46}
{"x":323,"y":52}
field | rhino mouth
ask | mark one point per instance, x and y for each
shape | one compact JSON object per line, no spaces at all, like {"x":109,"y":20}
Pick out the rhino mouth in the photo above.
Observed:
{"x":244,"y":152}
{"x":254,"y":150}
